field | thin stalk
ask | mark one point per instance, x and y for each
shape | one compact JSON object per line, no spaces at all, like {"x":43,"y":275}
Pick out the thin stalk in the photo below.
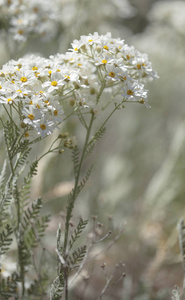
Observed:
{"x":71,"y":204}
{"x":106,"y":120}
{"x":77,"y":180}
{"x":10,"y":116}
{"x":19,"y":223}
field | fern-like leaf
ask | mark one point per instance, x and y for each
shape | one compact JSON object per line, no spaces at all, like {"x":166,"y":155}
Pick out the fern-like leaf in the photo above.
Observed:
{"x":94,"y":139}
{"x":57,"y":288}
{"x":31,"y":213}
{"x":73,"y":196}
{"x":8,"y":286}
{"x":182,"y":240}
{"x":75,"y":159}
{"x":5,"y":240}
{"x":77,"y":256}
{"x":5,"y":201}
{"x":38,"y":287}
{"x":11,"y":133}
{"x":34,"y":226}
{"x":2,"y":176}
{"x":77,"y":232}
{"x":33,"y":170}
{"x":84,"y":180}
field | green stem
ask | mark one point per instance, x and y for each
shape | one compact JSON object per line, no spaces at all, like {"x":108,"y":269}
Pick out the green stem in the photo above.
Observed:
{"x":10,"y":116}
{"x":19,"y":230}
{"x":71,"y":204}
{"x":106,"y":120}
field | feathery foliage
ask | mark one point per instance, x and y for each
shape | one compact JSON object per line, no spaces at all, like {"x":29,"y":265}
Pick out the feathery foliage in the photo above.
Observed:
{"x":2,"y":176}
{"x":5,"y":197}
{"x":8,"y":286}
{"x":75,"y":159}
{"x":77,"y":232}
{"x":98,"y":135}
{"x":84,"y":180}
{"x":5,"y":240}
{"x":33,"y":225}
{"x":11,"y":134}
{"x":39,"y":286}
{"x":182,"y":240}
{"x":74,"y":194}
{"x":57,"y":288}
{"x":77,"y":256}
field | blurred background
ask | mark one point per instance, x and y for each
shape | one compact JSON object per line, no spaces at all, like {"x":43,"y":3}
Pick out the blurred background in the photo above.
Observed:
{"x":139,"y":172}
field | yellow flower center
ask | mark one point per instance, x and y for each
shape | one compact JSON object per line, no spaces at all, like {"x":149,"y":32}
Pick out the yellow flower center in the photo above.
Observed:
{"x":90,"y":40}
{"x":23,"y":79}
{"x":138,"y":66}
{"x":19,"y":91}
{"x":13,"y":81}
{"x":67,"y":76}
{"x":128,"y":56}
{"x":130,"y":92}
{"x":112,"y":74}
{"x":104,"y":61}
{"x":31,"y":102}
{"x":31,"y":116}
{"x":58,"y":70}
{"x":38,"y":106}
{"x":72,"y":102}
{"x":0,"y":87}
{"x":20,"y":31}
{"x":106,"y":47}
{"x":46,"y":102}
{"x":26,"y":134}
{"x":55,"y":112}
{"x":54,"y":83}
{"x":43,"y":126}
{"x":34,"y":68}
{"x":76,"y":49}
{"x":79,"y":65}
{"x":9,"y":99}
{"x":49,"y":72}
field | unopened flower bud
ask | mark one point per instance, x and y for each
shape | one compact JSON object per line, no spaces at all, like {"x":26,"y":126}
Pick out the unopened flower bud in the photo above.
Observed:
{"x":141,"y":101}
{"x":23,"y":125}
{"x":72,"y":102}
{"x":61,"y":151}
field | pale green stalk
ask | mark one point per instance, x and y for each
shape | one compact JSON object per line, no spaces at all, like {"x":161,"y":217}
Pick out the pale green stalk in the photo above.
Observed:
{"x":18,"y":232}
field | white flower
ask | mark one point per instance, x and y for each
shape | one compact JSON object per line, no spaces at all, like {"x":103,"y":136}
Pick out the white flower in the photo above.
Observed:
{"x":133,"y":91}
{"x":44,"y":127}
{"x":31,"y":116}
{"x":55,"y":82}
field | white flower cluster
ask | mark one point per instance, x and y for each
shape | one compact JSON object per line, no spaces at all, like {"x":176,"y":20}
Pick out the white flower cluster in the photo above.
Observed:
{"x":30,"y":17}
{"x":46,"y":18}
{"x":41,"y":90}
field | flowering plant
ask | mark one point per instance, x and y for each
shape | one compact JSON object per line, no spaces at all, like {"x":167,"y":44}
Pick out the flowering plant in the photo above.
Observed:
{"x":37,"y":95}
